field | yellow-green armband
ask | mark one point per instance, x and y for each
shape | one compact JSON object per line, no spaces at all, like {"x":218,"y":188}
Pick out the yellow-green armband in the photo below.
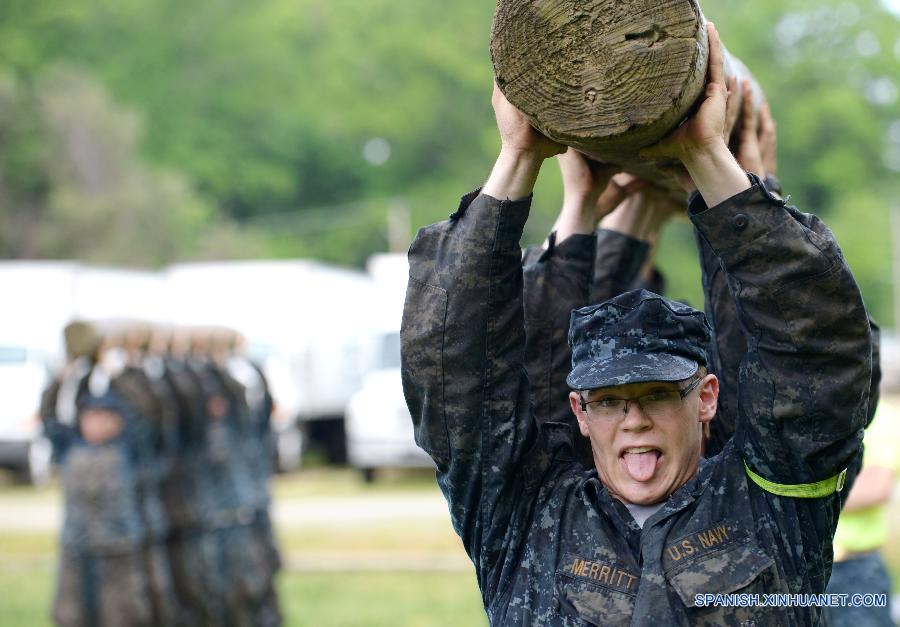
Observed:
{"x":816,"y":490}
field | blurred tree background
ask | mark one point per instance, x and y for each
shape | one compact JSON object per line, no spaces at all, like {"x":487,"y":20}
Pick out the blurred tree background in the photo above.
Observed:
{"x":141,"y":133}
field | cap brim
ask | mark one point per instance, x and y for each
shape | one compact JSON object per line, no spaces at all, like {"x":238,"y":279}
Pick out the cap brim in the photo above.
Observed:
{"x":635,"y":368}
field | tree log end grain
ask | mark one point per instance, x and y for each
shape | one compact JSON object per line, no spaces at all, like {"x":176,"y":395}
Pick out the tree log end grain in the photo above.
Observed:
{"x":607,"y":77}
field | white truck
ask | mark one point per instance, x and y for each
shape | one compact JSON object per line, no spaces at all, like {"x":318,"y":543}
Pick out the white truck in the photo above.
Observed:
{"x":304,"y":321}
{"x":378,"y":424}
{"x":40,"y":298}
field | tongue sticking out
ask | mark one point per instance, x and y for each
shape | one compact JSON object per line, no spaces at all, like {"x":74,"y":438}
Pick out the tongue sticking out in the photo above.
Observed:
{"x":640,"y":466}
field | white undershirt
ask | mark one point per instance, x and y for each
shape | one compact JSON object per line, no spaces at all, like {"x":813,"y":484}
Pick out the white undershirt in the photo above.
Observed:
{"x":641,"y":513}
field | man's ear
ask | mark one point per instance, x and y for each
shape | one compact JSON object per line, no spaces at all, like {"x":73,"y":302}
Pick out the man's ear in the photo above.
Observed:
{"x":575,"y":404}
{"x":709,"y":398}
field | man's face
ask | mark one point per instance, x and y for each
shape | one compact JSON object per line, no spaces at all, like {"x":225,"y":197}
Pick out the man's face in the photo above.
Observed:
{"x":99,"y":426}
{"x":643,"y":457}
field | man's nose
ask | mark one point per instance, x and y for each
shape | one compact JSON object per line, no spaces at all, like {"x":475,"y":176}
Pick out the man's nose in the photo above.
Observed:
{"x":636,"y":419}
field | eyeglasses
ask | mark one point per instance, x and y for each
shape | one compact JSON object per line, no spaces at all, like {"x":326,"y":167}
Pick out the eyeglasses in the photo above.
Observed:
{"x":658,"y":403}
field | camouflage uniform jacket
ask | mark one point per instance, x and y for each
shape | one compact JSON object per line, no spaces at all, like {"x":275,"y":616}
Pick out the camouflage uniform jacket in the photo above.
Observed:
{"x":729,"y":346}
{"x":549,"y":544}
{"x":579,"y":271}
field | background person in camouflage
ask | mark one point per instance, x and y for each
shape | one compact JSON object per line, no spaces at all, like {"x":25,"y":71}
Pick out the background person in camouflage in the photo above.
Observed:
{"x":862,"y":533}
{"x":132,"y":406}
{"x":258,"y":446}
{"x":103,"y":578}
{"x":554,"y":544}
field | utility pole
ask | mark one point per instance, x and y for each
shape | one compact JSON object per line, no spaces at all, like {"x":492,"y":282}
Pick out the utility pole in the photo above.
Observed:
{"x":398,"y":226}
{"x":895,"y":266}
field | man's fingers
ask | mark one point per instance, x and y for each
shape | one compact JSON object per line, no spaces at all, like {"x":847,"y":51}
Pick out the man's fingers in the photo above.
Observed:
{"x":732,"y":86}
{"x":497,"y":95}
{"x":716,"y":57}
{"x":602,"y":171}
{"x":750,"y":122}
{"x":570,"y":156}
{"x":766,"y":123}
{"x":634,"y":186}
{"x":732,"y":98}
{"x":732,"y":105}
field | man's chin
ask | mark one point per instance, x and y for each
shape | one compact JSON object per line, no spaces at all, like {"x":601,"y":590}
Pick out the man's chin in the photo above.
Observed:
{"x":649,"y":493}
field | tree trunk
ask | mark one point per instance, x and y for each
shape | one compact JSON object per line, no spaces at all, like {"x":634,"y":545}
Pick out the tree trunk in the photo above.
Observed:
{"x":607,"y":77}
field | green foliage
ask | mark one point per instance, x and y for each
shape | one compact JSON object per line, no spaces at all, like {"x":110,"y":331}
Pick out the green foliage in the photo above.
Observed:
{"x":236,"y":129}
{"x":72,"y":185}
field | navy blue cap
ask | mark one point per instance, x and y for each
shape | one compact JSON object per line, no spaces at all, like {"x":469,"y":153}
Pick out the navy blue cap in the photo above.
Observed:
{"x":109,"y":400}
{"x":636,"y":337}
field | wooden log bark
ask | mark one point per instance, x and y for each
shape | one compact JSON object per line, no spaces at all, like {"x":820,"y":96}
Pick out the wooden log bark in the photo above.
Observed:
{"x":607,"y":77}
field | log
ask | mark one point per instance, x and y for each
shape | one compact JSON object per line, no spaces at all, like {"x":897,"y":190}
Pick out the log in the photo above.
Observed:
{"x":607,"y":77}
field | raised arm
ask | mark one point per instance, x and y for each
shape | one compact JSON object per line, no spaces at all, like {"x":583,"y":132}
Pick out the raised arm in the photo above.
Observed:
{"x":805,"y":378}
{"x":557,"y":279}
{"x":560,"y":277}
{"x":729,"y":344}
{"x":463,"y":346}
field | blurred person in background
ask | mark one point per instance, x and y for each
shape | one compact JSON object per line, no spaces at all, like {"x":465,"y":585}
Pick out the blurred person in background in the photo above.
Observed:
{"x":58,"y":409}
{"x":163,"y":441}
{"x":157,"y":414}
{"x":240,"y":570}
{"x":102,"y":575}
{"x":258,"y":446}
{"x":862,"y":531}
{"x":182,"y":489}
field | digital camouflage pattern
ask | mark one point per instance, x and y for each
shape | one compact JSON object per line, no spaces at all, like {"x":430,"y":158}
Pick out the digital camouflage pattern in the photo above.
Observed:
{"x":155,"y":416}
{"x":549,"y":544}
{"x":102,"y":591}
{"x":556,"y":281}
{"x":103,"y":570}
{"x":729,"y":346}
{"x":167,"y":523}
{"x":636,"y":337}
{"x":863,"y":574}
{"x":581,"y":270}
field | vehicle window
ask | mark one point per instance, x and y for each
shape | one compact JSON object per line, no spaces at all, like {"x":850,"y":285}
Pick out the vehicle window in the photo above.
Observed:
{"x":390,"y":351}
{"x":12,"y":355}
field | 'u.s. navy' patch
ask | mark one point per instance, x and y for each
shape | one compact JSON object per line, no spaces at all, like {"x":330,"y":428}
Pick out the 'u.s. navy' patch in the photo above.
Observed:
{"x":700,"y":543}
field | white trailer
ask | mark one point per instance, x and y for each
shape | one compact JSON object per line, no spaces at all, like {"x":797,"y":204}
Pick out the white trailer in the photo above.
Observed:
{"x":304,"y":321}
{"x":379,"y":427}
{"x":40,"y":298}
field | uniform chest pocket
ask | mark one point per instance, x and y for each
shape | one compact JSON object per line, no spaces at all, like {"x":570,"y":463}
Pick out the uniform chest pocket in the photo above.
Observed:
{"x":595,"y":594}
{"x":740,"y":568}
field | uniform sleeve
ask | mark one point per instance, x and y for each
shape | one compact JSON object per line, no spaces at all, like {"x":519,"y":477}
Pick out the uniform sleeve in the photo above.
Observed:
{"x":655,"y":283}
{"x":728,"y":344}
{"x":58,"y":434}
{"x":875,"y":386}
{"x":556,"y":281}
{"x":617,"y":262}
{"x":579,"y":271}
{"x":463,"y":370}
{"x":804,"y":380}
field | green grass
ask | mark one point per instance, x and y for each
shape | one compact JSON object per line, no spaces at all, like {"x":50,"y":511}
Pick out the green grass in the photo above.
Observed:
{"x":424,"y":536}
{"x":314,"y":600}
{"x":340,"y":597}
{"x":26,"y":590}
{"x":381,"y":599}
{"x":330,"y":482}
